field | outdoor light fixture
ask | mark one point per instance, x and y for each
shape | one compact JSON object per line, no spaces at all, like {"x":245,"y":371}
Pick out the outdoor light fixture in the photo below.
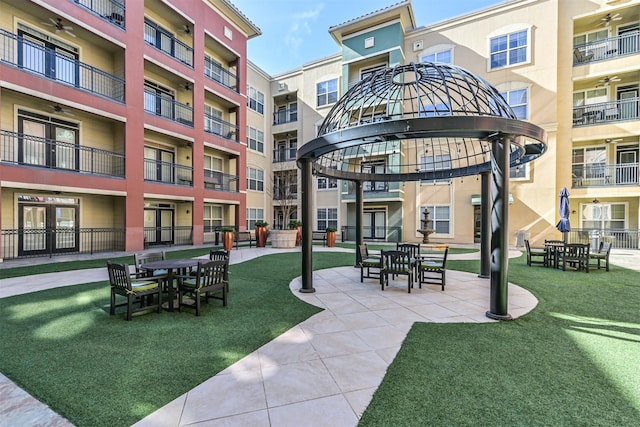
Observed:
{"x":596,"y":201}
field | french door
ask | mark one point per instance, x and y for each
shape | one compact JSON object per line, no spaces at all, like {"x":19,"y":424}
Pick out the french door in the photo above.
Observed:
{"x":48,"y":142}
{"x":158,"y":226}
{"x":47,"y":56}
{"x":374,"y":223}
{"x":628,"y":99}
{"x":627,"y":165}
{"x":48,"y":228}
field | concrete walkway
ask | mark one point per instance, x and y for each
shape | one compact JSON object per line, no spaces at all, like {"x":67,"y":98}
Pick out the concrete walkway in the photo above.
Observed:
{"x":324,"y":370}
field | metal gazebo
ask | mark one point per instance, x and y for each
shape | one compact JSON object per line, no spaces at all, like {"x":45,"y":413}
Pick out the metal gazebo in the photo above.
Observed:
{"x":405,"y":112}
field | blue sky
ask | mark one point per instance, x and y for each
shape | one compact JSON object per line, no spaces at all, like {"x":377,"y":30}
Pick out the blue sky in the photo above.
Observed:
{"x":295,"y":32}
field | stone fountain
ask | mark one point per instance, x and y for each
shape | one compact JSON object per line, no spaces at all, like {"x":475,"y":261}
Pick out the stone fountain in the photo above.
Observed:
{"x":426,"y":230}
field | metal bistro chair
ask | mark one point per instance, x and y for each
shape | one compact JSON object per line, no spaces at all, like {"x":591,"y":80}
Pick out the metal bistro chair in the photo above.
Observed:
{"x":136,"y":291}
{"x":368,"y":261}
{"x":396,"y":263}
{"x":208,"y":282}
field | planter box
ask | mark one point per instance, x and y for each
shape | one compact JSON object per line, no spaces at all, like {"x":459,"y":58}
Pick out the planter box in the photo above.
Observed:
{"x":283,"y":238}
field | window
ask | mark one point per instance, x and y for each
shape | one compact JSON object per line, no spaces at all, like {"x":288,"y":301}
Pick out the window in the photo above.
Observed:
{"x":47,"y":141}
{"x":435,"y":163}
{"x":255,"y":179}
{"x":327,"y":92}
{"x":255,"y":139}
{"x":325,"y":183}
{"x":212,"y":217}
{"x":443,"y":56}
{"x":212,"y":163}
{"x":213,"y":122}
{"x":518,"y":101}
{"x":327,"y":217}
{"x":213,"y":69}
{"x":158,"y":100}
{"x":375,"y":167}
{"x":440,"y":217}
{"x":589,"y":165}
{"x":603,"y":216}
{"x":253,"y":215}
{"x":588,"y":97}
{"x":255,"y":100}
{"x":508,"y":49}
{"x":48,"y":56}
{"x":214,"y":173}
{"x":158,"y":165}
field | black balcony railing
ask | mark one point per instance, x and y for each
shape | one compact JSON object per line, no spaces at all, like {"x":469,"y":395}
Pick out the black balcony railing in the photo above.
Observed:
{"x":168,"y":173}
{"x":31,"y":57}
{"x":17,"y":243}
{"x":215,"y":72}
{"x":219,"y":127}
{"x":285,"y":192}
{"x":606,"y":112}
{"x":282,"y":154}
{"x":168,"y":108}
{"x":285,"y":116}
{"x":34,"y":151}
{"x":214,"y":180}
{"x":609,"y":48}
{"x":382,"y":233}
{"x":109,"y":10}
{"x":604,"y":175}
{"x":619,"y":238}
{"x":168,"y":236}
{"x":165,"y":42}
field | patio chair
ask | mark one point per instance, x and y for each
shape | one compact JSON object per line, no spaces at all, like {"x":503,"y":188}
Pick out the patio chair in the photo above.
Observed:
{"x":536,"y":255}
{"x":368,"y":261}
{"x":220,"y":255}
{"x":580,"y":58}
{"x":576,"y":256}
{"x":136,"y":291}
{"x":432,"y":269}
{"x":413,"y":250}
{"x":601,"y":256}
{"x":395,"y":263}
{"x":159,"y":275}
{"x":209,"y":281}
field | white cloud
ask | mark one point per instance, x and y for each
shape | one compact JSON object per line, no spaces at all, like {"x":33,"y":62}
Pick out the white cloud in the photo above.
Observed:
{"x":300,"y":27}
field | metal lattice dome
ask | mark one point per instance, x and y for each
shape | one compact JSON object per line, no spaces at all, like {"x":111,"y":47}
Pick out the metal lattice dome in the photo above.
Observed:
{"x":430,"y":121}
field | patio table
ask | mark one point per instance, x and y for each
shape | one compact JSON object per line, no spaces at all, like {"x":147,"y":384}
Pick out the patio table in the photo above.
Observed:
{"x":171,"y":265}
{"x":554,"y":253}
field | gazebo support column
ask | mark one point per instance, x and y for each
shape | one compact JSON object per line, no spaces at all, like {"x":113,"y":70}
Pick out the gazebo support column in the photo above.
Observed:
{"x":500,"y":161}
{"x":359,"y":215}
{"x":485,"y":226}
{"x":307,"y":235}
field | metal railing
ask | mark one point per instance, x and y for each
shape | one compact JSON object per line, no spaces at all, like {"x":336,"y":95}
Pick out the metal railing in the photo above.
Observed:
{"x":109,"y":10}
{"x":606,"y":112}
{"x":609,"y":48}
{"x":60,"y":241}
{"x":620,"y":239}
{"x":214,"y":180}
{"x":372,"y":234}
{"x":285,"y":192}
{"x":168,"y":108}
{"x":30,"y":57}
{"x":219,"y":127}
{"x":168,"y":236}
{"x":282,"y":154}
{"x":168,"y":173}
{"x":165,"y":42}
{"x":285,"y":116}
{"x":215,"y":72}
{"x":604,"y":175}
{"x":34,"y":151}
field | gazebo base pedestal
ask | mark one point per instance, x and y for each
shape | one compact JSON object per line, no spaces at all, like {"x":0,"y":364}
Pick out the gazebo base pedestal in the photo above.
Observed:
{"x":494,"y":316}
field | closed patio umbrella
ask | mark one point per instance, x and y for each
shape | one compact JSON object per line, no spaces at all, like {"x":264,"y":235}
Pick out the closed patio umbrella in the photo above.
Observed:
{"x":564,"y":225}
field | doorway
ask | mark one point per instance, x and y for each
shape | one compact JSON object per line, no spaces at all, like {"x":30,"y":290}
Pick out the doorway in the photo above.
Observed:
{"x":374,"y":222}
{"x":628,"y":100}
{"x":158,"y":224}
{"x":47,"y":225}
{"x":627,"y":164}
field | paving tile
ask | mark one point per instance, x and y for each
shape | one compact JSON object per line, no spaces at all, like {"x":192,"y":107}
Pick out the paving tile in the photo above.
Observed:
{"x":331,"y":411}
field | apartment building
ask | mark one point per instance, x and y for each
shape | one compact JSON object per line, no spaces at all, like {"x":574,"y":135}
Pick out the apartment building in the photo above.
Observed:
{"x":570,"y":67}
{"x":122,"y":123}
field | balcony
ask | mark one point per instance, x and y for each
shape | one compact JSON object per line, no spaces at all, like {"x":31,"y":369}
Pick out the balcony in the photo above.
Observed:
{"x":216,"y":126}
{"x":168,"y":108}
{"x":33,"y":58}
{"x":34,"y":151}
{"x":287,"y":115}
{"x":372,"y":190}
{"x":110,"y":10}
{"x":606,"y":112}
{"x":215,"y":72}
{"x":282,"y":154}
{"x":165,"y":42}
{"x":168,"y":173}
{"x":605,"y":49}
{"x":214,"y":180}
{"x":604,"y":175}
{"x":285,"y":192}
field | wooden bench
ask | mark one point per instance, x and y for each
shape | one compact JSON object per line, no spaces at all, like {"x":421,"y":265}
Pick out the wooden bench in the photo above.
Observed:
{"x":319,"y":236}
{"x":244,"y":236}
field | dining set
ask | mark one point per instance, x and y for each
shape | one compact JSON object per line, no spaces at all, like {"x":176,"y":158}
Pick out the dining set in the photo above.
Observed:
{"x":562,"y":255}
{"x":183,"y":281}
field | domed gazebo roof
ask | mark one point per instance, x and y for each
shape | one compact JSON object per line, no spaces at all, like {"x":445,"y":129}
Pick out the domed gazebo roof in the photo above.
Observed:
{"x":438,"y":119}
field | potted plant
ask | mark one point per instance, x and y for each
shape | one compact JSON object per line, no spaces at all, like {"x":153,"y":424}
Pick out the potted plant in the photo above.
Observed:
{"x":261,"y":234}
{"x":331,"y":236}
{"x":228,"y":234}
{"x":296,"y":225}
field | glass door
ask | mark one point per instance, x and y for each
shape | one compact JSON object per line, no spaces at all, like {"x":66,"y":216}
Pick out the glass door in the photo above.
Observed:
{"x":48,"y":228}
{"x":375,"y":225}
{"x":158,"y":226}
{"x":627,"y":165}
{"x":33,"y":230}
{"x":628,"y":99}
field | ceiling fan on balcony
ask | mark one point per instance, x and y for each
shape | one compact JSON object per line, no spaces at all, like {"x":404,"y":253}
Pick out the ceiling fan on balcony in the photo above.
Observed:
{"x":606,"y":20}
{"x":606,"y":80}
{"x":185,"y":29}
{"x":57,"y":23}
{"x":612,"y":140}
{"x":59,"y":110}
